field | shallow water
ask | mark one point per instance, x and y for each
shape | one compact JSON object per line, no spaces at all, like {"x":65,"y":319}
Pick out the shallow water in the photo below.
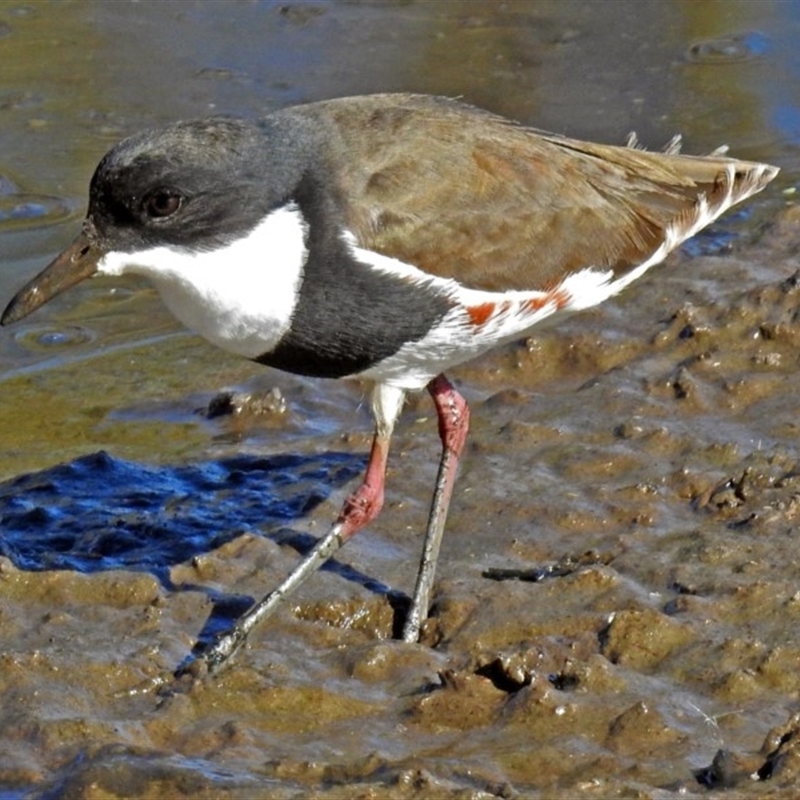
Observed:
{"x":635,"y":467}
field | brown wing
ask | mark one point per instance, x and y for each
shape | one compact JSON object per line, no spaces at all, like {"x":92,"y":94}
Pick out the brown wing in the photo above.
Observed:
{"x":465,"y":194}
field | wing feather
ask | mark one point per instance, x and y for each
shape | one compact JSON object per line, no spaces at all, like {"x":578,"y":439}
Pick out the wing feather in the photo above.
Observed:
{"x":465,"y":194}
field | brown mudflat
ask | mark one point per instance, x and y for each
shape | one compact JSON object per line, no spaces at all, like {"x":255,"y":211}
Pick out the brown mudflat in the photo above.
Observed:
{"x":643,"y":473}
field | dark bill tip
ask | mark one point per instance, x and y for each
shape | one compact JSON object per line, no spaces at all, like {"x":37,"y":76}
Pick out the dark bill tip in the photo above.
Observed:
{"x":77,"y":262}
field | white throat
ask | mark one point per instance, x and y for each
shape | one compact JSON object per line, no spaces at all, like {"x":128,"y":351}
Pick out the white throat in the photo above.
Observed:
{"x":241,"y":296}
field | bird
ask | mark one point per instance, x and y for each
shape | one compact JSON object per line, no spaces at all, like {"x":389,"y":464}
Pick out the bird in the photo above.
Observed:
{"x":384,"y":237}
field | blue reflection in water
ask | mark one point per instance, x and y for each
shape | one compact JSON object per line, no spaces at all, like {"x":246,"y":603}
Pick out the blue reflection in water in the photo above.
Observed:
{"x":98,"y":512}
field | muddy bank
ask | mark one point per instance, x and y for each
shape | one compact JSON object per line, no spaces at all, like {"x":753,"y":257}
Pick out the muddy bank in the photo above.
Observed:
{"x":642,"y":488}
{"x":616,"y":607}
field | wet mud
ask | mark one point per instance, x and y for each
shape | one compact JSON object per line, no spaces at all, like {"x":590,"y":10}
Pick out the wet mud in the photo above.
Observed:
{"x":616,"y":608}
{"x":617,"y":605}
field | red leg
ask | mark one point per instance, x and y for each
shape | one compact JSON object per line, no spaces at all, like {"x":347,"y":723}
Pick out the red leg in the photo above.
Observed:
{"x":359,"y":509}
{"x":365,"y":503}
{"x":453,"y":413}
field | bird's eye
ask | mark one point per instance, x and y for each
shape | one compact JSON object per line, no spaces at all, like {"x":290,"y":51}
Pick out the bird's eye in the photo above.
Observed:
{"x":162,"y":203}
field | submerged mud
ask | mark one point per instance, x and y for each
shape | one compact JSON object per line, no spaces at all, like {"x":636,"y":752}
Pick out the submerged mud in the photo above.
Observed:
{"x":617,"y":604}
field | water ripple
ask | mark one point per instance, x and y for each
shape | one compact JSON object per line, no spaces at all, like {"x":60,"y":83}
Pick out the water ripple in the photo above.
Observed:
{"x":47,"y":338}
{"x":20,"y":211}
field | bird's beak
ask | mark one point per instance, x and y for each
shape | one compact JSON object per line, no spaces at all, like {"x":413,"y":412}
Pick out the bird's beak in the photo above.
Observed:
{"x":77,"y":262}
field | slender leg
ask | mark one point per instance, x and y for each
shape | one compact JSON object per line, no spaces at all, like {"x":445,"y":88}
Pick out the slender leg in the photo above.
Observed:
{"x":359,"y":509}
{"x":453,"y":426}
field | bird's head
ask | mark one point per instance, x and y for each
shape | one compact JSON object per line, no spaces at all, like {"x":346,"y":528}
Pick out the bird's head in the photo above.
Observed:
{"x":193,"y":186}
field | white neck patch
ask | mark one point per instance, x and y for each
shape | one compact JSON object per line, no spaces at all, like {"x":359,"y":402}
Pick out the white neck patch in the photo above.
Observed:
{"x":241,"y":297}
